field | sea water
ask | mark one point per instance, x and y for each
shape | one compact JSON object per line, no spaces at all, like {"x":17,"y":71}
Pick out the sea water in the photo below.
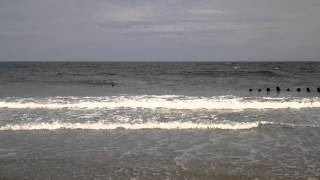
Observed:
{"x":159,"y":121}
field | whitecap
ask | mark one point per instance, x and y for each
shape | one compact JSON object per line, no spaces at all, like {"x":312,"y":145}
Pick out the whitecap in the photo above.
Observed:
{"x":165,"y":101}
{"x":147,"y":125}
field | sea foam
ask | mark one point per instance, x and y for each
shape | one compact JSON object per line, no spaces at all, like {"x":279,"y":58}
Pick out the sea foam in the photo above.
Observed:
{"x":147,"y":125}
{"x":165,"y":101}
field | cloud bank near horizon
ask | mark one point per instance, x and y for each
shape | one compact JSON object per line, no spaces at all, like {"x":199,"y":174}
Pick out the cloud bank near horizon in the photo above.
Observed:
{"x":167,"y":30}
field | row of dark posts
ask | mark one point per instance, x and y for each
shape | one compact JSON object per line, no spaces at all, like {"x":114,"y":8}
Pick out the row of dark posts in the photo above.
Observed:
{"x":278,"y":89}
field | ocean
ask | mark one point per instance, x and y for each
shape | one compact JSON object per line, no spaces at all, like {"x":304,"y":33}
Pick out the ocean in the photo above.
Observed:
{"x":159,"y":120}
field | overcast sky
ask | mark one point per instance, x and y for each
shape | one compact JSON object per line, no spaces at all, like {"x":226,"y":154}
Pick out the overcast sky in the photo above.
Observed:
{"x":142,"y":30}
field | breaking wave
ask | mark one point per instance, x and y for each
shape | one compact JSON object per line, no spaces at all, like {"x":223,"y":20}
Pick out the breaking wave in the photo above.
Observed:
{"x":164,"y":101}
{"x":148,"y":125}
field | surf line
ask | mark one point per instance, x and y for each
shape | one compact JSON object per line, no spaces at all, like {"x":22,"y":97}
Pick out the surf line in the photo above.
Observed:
{"x":225,"y":103}
{"x":137,"y":126}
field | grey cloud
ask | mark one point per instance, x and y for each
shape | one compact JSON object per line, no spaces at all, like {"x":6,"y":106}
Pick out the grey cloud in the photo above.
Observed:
{"x":161,"y":30}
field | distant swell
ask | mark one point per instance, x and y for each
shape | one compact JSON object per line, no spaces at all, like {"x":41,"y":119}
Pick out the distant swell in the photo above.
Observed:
{"x":165,"y":101}
{"x":149,"y":125}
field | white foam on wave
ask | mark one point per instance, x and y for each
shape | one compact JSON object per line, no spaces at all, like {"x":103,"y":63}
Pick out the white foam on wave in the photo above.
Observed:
{"x":148,"y":125}
{"x":165,"y":101}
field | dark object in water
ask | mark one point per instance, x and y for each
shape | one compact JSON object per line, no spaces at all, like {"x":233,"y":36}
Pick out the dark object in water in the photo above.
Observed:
{"x":288,"y":89}
{"x":278,"y":89}
{"x":250,"y":90}
{"x":298,"y":89}
{"x":268,"y":90}
{"x":259,"y":90}
{"x":308,"y":89}
{"x":112,"y":84}
{"x":318,"y":89}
